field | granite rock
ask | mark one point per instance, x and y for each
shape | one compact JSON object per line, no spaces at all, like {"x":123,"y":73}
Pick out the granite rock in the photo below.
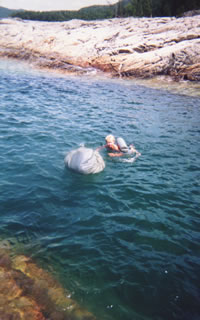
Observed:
{"x":123,"y":47}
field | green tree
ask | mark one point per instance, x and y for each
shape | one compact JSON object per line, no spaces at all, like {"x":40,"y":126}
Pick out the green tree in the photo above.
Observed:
{"x":131,"y":8}
{"x":166,"y":10}
{"x":120,"y":8}
{"x":139,"y":11}
{"x":147,"y":8}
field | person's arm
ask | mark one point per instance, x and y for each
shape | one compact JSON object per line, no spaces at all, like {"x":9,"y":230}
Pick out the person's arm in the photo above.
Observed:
{"x":115,"y":154}
{"x":115,"y":147}
{"x":101,"y":147}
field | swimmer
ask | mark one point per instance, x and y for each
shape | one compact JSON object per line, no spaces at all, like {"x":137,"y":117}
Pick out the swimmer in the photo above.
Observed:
{"x":120,"y":148}
{"x":110,"y":143}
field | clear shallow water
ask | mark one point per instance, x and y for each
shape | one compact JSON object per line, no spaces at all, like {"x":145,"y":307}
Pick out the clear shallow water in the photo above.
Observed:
{"x":125,"y":242}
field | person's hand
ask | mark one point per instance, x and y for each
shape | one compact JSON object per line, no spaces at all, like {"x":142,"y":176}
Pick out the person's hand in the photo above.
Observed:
{"x":132,"y":148}
{"x":138,"y":154}
{"x":99,"y":148}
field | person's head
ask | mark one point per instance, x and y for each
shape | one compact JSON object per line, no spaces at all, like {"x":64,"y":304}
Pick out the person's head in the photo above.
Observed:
{"x":110,"y":139}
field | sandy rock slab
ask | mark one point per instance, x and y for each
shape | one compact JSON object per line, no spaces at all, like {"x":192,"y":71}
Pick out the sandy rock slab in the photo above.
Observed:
{"x":122,"y":47}
{"x":27,"y":292}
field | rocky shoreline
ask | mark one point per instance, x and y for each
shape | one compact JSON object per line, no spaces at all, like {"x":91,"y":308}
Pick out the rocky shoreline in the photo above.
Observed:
{"x":121,"y":47}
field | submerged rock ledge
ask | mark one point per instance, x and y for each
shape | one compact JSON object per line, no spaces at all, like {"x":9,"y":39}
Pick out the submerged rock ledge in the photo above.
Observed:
{"x":122,"y":47}
{"x":27,"y":292}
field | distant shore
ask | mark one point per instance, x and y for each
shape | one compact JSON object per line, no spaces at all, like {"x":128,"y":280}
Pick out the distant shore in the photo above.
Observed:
{"x":121,"y":47}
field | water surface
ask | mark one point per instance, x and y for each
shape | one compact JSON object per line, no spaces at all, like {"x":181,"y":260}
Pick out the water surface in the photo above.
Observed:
{"x":125,"y":242}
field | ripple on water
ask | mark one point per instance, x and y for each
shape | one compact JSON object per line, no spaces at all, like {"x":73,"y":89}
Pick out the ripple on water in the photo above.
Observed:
{"x":125,"y":241}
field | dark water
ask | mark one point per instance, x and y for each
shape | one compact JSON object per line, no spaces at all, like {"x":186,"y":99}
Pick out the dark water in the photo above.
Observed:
{"x":125,"y":242}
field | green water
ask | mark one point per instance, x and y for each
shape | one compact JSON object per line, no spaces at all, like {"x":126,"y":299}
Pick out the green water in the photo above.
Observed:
{"x":125,"y":242}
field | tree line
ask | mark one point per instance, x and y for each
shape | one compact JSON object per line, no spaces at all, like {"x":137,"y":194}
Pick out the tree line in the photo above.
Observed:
{"x":157,"y":8}
{"x":123,"y":8}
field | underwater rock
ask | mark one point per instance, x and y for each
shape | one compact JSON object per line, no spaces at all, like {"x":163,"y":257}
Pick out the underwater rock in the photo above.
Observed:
{"x":27,"y":292}
{"x":84,"y":160}
{"x":124,"y":47}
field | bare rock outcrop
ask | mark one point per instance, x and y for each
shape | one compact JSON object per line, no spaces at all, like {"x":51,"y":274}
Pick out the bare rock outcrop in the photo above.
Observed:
{"x":125,"y":47}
